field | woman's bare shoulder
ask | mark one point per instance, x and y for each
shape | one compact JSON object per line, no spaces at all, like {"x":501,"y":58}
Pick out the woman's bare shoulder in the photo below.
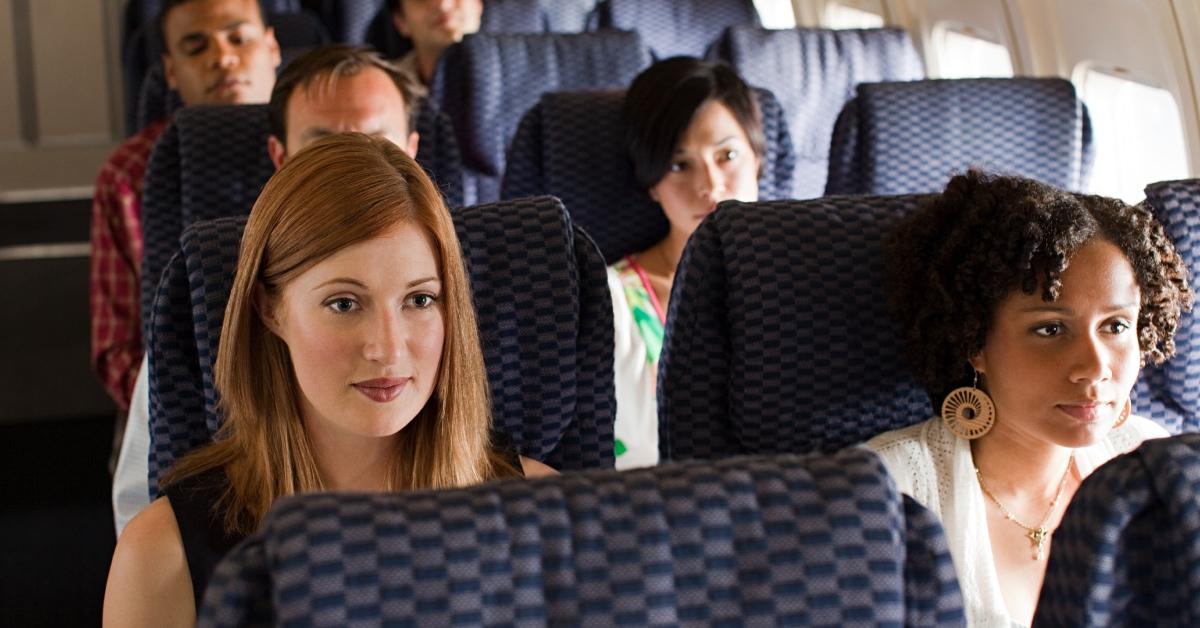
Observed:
{"x":535,"y":469}
{"x":148,"y":582}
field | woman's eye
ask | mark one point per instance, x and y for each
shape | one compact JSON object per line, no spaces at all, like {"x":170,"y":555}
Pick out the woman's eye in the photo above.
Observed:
{"x":341,"y":305}
{"x":1118,"y":327}
{"x":423,"y":301}
{"x":678,"y":166}
{"x":1049,"y":330}
{"x":730,"y":154}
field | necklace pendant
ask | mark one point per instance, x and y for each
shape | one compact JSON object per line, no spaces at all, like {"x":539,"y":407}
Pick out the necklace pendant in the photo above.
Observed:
{"x":1037,"y":537}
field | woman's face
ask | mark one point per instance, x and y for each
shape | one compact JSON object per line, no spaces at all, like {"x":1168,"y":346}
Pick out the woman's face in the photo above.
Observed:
{"x":365,"y":328}
{"x":712,"y":163}
{"x":1061,"y":372}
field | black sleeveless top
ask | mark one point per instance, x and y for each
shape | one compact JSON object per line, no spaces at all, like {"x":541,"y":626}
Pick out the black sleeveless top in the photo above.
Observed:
{"x":202,"y":527}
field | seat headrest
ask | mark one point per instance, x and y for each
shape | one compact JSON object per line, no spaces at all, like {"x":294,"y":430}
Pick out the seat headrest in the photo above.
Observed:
{"x":911,"y":137}
{"x":813,"y":72}
{"x":778,"y":339}
{"x":677,"y":27}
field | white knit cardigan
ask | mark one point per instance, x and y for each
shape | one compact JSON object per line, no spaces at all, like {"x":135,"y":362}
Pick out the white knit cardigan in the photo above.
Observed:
{"x":935,"y":467}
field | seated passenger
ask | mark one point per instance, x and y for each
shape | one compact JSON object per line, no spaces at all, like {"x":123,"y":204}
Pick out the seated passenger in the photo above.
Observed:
{"x":694,"y":133}
{"x":433,"y":25}
{"x":329,"y":90}
{"x":349,"y":360}
{"x":214,"y":52}
{"x":1027,"y":313}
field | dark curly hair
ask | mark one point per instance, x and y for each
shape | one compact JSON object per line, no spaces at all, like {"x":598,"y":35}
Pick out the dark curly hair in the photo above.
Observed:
{"x":952,"y":261}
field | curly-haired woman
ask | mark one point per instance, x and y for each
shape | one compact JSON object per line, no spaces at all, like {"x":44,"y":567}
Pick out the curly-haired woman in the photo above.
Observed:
{"x":1027,"y":313}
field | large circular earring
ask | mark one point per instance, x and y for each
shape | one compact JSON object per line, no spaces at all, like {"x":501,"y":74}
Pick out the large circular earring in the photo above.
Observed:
{"x":1124,"y":416}
{"x":968,"y":412}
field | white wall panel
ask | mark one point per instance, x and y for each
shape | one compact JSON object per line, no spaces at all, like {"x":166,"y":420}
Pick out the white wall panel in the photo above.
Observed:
{"x":70,"y":72}
{"x":10,"y":113}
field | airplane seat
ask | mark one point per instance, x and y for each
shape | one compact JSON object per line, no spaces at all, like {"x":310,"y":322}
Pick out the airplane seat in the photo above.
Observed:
{"x":544,"y":313}
{"x":487,"y":82}
{"x":813,"y":72}
{"x":212,"y":161}
{"x":778,"y":339}
{"x":570,"y":145}
{"x":1169,"y":393}
{"x":789,"y":540}
{"x":1126,"y":551}
{"x":348,"y":21}
{"x":499,"y":16}
{"x":147,"y":96}
{"x":911,"y":137}
{"x":673,"y":28}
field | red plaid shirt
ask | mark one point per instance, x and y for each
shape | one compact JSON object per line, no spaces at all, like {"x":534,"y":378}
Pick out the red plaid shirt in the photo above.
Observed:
{"x":116,"y":262}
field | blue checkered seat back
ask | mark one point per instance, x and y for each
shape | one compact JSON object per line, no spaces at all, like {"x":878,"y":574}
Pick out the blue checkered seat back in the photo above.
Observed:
{"x":677,"y":27}
{"x":544,"y":312}
{"x":1128,"y":548}
{"x":499,"y":16}
{"x":777,"y":336}
{"x":486,"y":83}
{"x":803,"y":541}
{"x":212,"y":161}
{"x":570,"y":145}
{"x":813,"y":72}
{"x":348,"y":21}
{"x":911,"y":137}
{"x":1170,"y":393}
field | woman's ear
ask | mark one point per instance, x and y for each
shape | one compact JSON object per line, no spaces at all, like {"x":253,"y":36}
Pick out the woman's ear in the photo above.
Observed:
{"x":979,"y":362}
{"x":265,"y":308}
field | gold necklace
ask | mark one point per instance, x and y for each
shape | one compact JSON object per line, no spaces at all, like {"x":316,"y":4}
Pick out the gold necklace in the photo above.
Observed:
{"x":1038,"y":535}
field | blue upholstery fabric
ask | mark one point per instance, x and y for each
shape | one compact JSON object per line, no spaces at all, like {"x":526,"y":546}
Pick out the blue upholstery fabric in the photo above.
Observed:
{"x":813,"y":72}
{"x":1170,"y":393}
{"x":570,"y":145}
{"x":349,"y":20}
{"x":212,"y":161}
{"x":1128,"y":548}
{"x":911,"y":137}
{"x":499,"y":16}
{"x":486,"y":83}
{"x":677,"y":27}
{"x":544,"y":312}
{"x":819,"y":541}
{"x":777,"y":336}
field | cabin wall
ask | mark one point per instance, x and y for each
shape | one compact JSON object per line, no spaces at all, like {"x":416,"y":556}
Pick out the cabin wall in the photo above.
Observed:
{"x":60,"y":96}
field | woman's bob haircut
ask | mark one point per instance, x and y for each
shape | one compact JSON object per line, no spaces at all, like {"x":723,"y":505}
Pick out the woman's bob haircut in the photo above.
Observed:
{"x":339,"y":191}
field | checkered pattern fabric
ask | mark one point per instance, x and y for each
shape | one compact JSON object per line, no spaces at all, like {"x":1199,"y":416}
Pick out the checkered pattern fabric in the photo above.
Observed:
{"x":1170,"y":393}
{"x":486,"y":83}
{"x":544,"y":312}
{"x":568,"y":16}
{"x":212,"y":162}
{"x":777,"y":336}
{"x":570,"y":145}
{"x":911,"y":137}
{"x":818,"y":541}
{"x":348,"y":20}
{"x":814,"y":71}
{"x":677,"y":27}
{"x":155,"y":100}
{"x":1127,"y":550}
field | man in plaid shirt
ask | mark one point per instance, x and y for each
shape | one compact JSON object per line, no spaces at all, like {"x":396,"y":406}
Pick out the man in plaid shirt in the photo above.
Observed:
{"x":216,"y":52}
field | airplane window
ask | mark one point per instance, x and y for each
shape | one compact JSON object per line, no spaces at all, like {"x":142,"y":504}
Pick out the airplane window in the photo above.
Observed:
{"x":854,"y":14}
{"x":775,"y":14}
{"x":965,"y":54}
{"x":1138,"y":134}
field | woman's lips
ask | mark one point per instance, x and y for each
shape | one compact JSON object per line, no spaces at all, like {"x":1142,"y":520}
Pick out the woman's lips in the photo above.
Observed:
{"x":1088,"y":412}
{"x":382,"y":390}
